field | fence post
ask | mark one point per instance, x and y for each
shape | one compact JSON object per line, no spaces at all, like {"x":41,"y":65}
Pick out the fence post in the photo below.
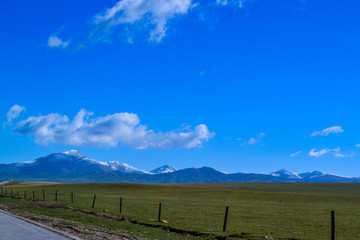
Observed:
{"x":120,"y":204}
{"x":33,"y":194}
{"x":17,"y":193}
{"x":225,"y":219}
{"x":72,"y":198}
{"x":159,"y":217}
{"x":56,"y":195}
{"x":94,"y":201}
{"x":5,"y":191}
{"x":11,"y":193}
{"x":332,"y":225}
{"x":44,"y":194}
{"x":24,"y":194}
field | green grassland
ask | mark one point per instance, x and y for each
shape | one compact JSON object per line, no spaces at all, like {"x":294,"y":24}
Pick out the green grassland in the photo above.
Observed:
{"x":256,"y":210}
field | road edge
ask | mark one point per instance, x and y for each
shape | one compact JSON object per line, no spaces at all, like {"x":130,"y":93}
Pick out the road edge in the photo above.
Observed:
{"x":65,"y":234}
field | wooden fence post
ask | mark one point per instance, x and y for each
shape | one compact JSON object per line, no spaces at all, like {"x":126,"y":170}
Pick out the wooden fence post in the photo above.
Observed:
{"x":56,"y":195}
{"x":24,"y":194}
{"x":94,"y":201}
{"x":11,"y":193}
{"x":17,"y":193}
{"x":72,"y":198}
{"x":225,"y":219}
{"x":44,"y":194}
{"x":120,"y":204}
{"x":33,"y":194}
{"x":159,"y":217}
{"x":332,"y":225}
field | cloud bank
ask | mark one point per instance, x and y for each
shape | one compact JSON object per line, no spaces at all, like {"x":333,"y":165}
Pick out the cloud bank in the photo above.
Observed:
{"x":327,"y":131}
{"x":14,"y":113}
{"x":110,"y":130}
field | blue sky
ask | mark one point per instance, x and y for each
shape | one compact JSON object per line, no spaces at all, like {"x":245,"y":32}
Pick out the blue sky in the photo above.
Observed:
{"x":240,"y":86}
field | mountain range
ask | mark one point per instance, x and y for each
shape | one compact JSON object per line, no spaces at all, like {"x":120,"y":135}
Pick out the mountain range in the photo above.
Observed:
{"x":72,"y":166}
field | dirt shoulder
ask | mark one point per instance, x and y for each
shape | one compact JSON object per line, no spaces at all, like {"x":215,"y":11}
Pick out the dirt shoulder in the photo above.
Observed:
{"x":77,"y":229}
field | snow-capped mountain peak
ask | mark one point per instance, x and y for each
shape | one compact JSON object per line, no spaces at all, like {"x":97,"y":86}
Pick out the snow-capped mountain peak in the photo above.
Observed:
{"x":74,"y":153}
{"x":164,"y":169}
{"x":111,"y":165}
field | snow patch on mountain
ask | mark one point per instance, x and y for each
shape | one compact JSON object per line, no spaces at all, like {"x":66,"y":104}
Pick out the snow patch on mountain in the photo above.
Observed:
{"x":24,"y":163}
{"x":164,"y":169}
{"x":113,"y":165}
{"x":74,"y":153}
{"x":125,"y":168}
{"x":314,"y":174}
{"x":283,"y":173}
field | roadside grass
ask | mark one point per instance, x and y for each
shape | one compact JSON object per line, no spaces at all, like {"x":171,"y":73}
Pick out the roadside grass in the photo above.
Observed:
{"x":86,"y":220}
{"x":256,"y":210}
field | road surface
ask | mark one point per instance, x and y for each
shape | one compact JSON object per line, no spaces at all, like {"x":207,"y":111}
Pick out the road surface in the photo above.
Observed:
{"x":16,"y":229}
{"x":3,"y":183}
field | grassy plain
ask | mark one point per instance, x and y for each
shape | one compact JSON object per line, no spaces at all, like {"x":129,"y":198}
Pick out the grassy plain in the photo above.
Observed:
{"x":256,"y":210}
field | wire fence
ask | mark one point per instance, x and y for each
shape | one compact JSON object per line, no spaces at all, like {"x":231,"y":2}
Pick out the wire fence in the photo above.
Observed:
{"x":277,"y":218}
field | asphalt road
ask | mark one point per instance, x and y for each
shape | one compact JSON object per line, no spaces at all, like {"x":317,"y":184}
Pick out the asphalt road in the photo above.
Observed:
{"x":16,"y":229}
{"x":3,"y":183}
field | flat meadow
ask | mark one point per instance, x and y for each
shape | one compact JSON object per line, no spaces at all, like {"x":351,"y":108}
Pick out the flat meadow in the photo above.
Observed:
{"x":256,"y":210}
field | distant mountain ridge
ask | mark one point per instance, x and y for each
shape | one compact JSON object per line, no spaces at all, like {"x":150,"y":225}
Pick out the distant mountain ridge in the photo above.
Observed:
{"x":72,"y":166}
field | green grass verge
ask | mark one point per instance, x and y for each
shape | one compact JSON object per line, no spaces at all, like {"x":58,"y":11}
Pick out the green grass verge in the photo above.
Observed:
{"x":279,"y":210}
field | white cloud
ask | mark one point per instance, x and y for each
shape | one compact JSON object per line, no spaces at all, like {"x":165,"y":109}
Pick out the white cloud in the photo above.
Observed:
{"x":238,"y":3}
{"x":314,"y":153}
{"x":335,"y":151}
{"x":357,"y":145}
{"x":221,"y":2}
{"x":296,"y":153}
{"x":110,"y":130}
{"x":256,"y":139}
{"x":55,"y":41}
{"x":340,"y":155}
{"x":253,"y":141}
{"x":153,"y":13}
{"x":14,"y":113}
{"x":327,"y":131}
